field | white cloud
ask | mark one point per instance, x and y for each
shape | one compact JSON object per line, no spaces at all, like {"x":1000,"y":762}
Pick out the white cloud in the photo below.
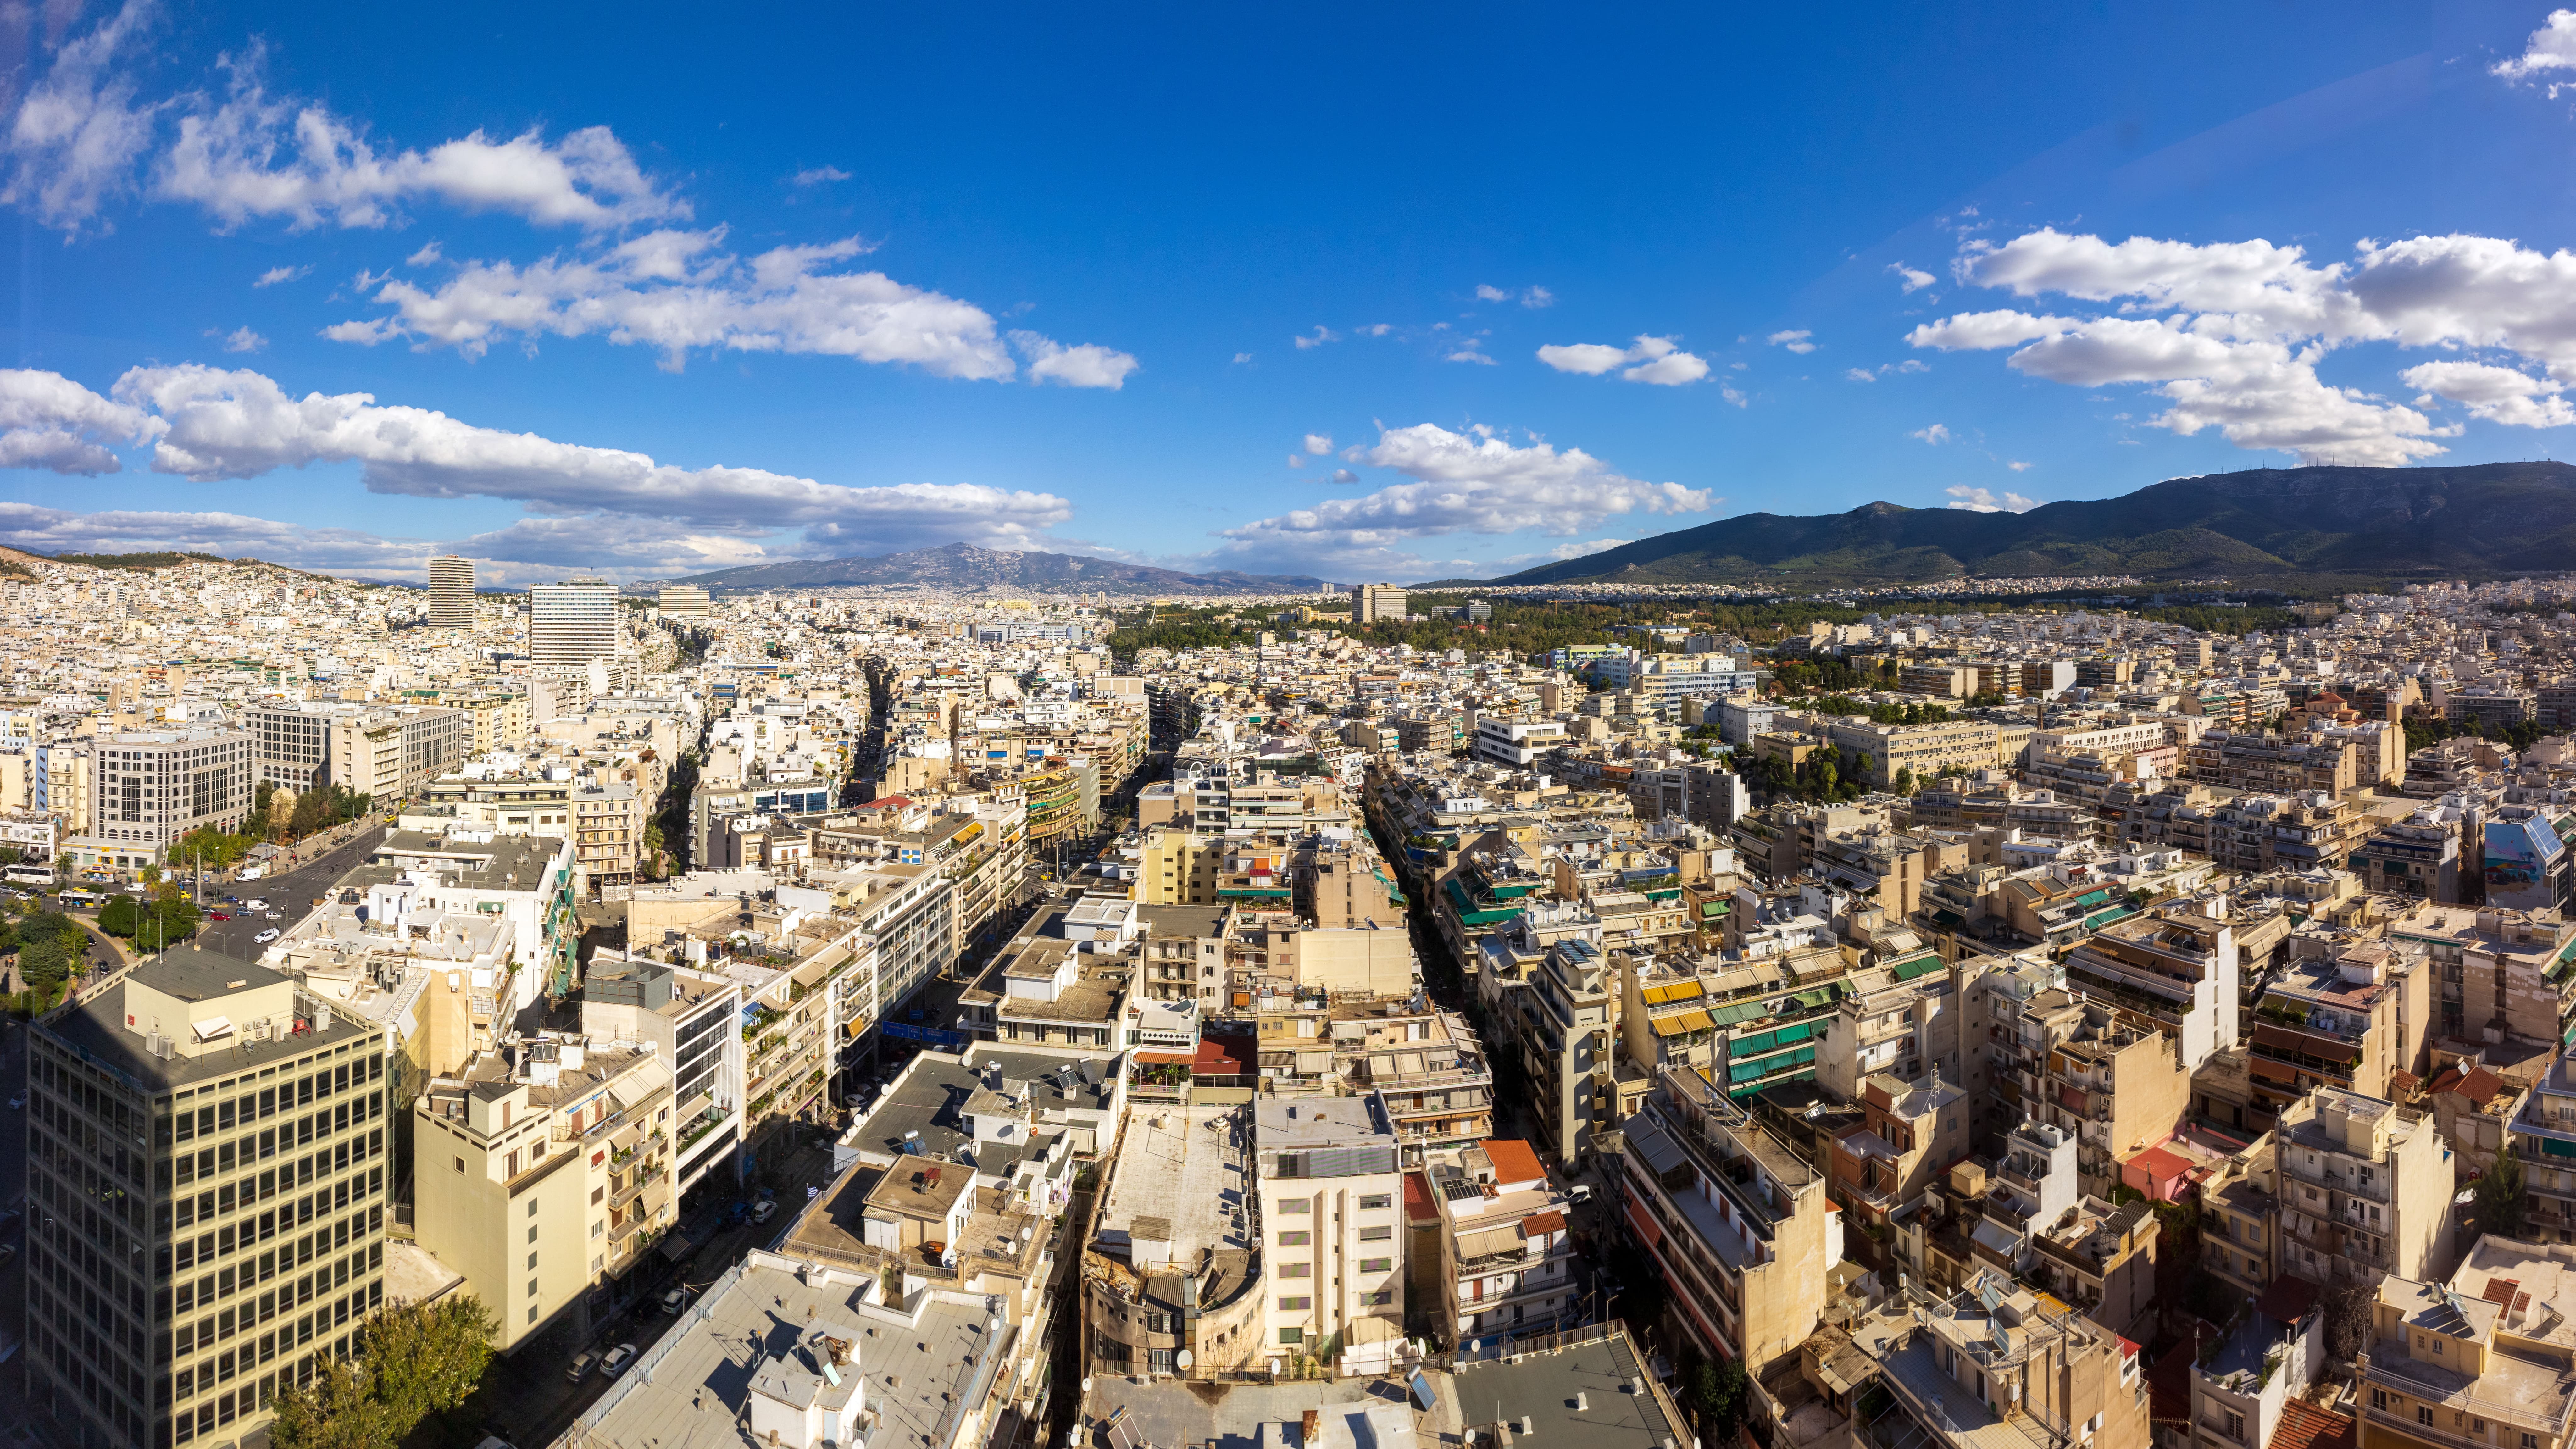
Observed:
{"x":1343,"y":475}
{"x":1859,"y":374}
{"x":1727,"y":391}
{"x":1322,"y":335}
{"x":1461,"y":483}
{"x":1538,"y":297}
{"x":252,"y":156}
{"x":424,"y":256}
{"x":1529,"y":297}
{"x":1656,"y":360}
{"x":211,"y":425}
{"x":2551,"y":48}
{"x":678,"y":292}
{"x":1242,"y":357}
{"x":1486,"y":293}
{"x":818,"y":175}
{"x":1864,"y":374}
{"x":2020,"y":467}
{"x":1588,"y":358}
{"x":1467,"y":353}
{"x":1374,"y":329}
{"x":2497,"y":394}
{"x":1089,"y":365}
{"x":242,"y":339}
{"x":2231,"y":334}
{"x":1936,"y":435}
{"x":1986,"y":500}
{"x":275,"y":275}
{"x":1800,"y":340}
{"x":1318,"y":445}
{"x":78,"y":128}
{"x":49,"y":422}
{"x":1911,"y":279}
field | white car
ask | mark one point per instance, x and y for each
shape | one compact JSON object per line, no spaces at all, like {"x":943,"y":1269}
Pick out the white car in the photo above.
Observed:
{"x":764,"y":1212}
{"x":617,"y":1360}
{"x":254,"y":905}
{"x":264,"y":937}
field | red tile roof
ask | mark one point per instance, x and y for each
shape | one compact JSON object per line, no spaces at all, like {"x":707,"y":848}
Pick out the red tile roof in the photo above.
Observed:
{"x":1547,"y":1222}
{"x":1513,"y":1161}
{"x":2305,"y":1426}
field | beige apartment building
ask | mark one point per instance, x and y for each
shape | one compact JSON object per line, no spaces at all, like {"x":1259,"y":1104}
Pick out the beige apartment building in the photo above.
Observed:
{"x":542,"y":1169}
{"x":2477,"y":1360}
{"x":2365,"y":1190}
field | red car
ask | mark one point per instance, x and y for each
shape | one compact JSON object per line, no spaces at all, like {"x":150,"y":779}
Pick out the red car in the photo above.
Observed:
{"x":217,"y":916}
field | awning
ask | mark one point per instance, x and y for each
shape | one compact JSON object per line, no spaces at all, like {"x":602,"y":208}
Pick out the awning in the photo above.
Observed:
{"x":657,"y":1195}
{"x":213,"y":1027}
{"x":1490,"y":1242}
{"x":1696,"y":1021}
{"x":627,"y":1136}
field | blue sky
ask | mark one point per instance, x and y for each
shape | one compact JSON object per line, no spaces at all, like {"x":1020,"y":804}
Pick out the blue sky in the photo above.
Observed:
{"x":1362,"y":293}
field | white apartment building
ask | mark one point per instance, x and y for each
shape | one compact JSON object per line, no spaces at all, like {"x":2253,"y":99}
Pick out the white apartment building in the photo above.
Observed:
{"x":1332,"y":1214}
{"x":693,"y":1019}
{"x":685,"y":601}
{"x":1506,"y":1248}
{"x":157,"y":785}
{"x":1516,"y":742}
{"x":572,"y":623}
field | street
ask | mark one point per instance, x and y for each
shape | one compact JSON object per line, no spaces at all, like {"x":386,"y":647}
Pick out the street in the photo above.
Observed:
{"x":290,"y":895}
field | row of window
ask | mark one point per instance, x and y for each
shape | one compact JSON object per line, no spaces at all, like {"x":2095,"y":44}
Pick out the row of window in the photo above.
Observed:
{"x":325,"y":1162}
{"x":250,"y":1399}
{"x":249,"y":1107}
{"x":203,"y":1376}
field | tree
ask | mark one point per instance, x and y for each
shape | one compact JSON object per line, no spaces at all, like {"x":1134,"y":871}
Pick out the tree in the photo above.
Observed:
{"x":118,"y":916}
{"x":414,"y":1361}
{"x":2350,"y":1314}
{"x":1717,"y":1394}
{"x":2500,"y":1198}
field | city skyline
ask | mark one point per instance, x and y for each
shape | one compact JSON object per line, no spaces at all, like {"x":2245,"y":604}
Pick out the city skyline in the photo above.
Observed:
{"x":282,"y":297}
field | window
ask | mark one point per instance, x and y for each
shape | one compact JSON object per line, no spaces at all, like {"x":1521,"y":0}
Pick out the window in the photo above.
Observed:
{"x":1292,"y":1335}
{"x":2423,"y":1414}
{"x":2477,"y":1425}
{"x":460,"y":1164}
{"x":1296,"y":1270}
{"x":1378,"y":1299}
{"x":1376,"y":1235}
{"x":1376,"y":1265}
{"x":1296,"y":1304}
{"x":532,"y":1262}
{"x":1295,"y":1205}
{"x":532,"y":1209}
{"x":2236,"y":1426}
{"x":2379,"y":1398}
{"x":1372,"y":1201}
{"x":1297,"y":1239}
{"x":532,"y":1287}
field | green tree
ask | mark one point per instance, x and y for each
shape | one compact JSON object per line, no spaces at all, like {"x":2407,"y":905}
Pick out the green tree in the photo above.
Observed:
{"x":2500,"y":1197}
{"x":312,"y":812}
{"x":119,"y":915}
{"x":414,"y":1361}
{"x":1717,"y":1394}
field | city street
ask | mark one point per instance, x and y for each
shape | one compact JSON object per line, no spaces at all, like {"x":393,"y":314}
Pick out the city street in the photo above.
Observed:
{"x":290,"y":895}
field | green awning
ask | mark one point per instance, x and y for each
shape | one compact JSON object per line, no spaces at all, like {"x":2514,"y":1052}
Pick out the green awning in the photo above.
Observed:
{"x":1252,"y":892}
{"x":1919,"y":966}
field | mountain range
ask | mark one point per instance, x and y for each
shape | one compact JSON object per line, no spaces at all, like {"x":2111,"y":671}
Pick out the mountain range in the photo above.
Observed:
{"x":963,"y":566}
{"x":2265,"y":525}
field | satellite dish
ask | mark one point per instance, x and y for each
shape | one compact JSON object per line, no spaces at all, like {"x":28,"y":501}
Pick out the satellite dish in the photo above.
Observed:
{"x":1184,"y":1358}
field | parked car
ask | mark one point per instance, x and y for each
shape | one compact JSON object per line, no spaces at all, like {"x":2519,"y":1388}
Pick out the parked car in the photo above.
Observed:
{"x":580,"y":1366}
{"x":264,"y":937}
{"x":675,"y":1300}
{"x":255,"y":905}
{"x":272,"y":915}
{"x":764,"y":1212}
{"x":217,"y":916}
{"x":617,"y":1360}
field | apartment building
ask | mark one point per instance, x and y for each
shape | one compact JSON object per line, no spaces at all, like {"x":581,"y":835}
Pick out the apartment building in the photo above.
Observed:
{"x":2495,"y":969}
{"x":2260,"y":763}
{"x":1516,"y":742}
{"x":1923,"y":751}
{"x":1996,"y":1364}
{"x":542,"y":1170}
{"x":2345,"y":1021}
{"x":451,"y":592}
{"x":2418,"y":859}
{"x":1507,"y":1255}
{"x":1740,"y":1227}
{"x":692,"y":1019}
{"x":2240,"y":1224}
{"x":2472,"y":1358}
{"x":1565,"y":1034}
{"x":1331,"y":1194}
{"x":387,"y":753}
{"x":2365,"y":1189}
{"x":571,"y":624}
{"x":2117,"y":1087}
{"x":685,"y":601}
{"x":1377,"y":603}
{"x":175,"y":1288}
{"x":1909,"y":1132}
{"x":2169,"y":970}
{"x":155,"y":786}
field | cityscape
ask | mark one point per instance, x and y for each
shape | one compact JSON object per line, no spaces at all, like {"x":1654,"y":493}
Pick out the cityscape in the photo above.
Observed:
{"x":1426,"y":729}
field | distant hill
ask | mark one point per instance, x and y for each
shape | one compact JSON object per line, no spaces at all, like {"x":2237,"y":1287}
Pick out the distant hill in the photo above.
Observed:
{"x":2270,"y":525}
{"x":960,"y":566}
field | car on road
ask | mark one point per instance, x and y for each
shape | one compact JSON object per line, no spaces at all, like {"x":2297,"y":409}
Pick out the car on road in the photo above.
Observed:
{"x":255,"y":905}
{"x":217,"y":916}
{"x":617,"y":1360}
{"x":764,"y":1212}
{"x":272,"y":915}
{"x":675,"y":1300}
{"x":264,"y":937}
{"x":580,"y":1367}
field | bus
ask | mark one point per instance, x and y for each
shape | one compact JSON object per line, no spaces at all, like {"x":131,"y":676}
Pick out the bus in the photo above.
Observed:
{"x":82,"y":898}
{"x":34,"y":875}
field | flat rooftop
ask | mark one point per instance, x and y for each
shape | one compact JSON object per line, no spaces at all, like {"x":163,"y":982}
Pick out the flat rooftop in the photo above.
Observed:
{"x":1544,"y":1388}
{"x":1186,"y":1170}
{"x":95,"y":1029}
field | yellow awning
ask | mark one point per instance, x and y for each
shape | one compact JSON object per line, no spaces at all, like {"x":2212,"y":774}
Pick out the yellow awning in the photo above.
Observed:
{"x":1697,"y":1021}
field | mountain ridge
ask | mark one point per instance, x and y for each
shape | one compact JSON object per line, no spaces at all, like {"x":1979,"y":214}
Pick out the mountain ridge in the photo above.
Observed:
{"x":2268,"y":524}
{"x":964,"y":565}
